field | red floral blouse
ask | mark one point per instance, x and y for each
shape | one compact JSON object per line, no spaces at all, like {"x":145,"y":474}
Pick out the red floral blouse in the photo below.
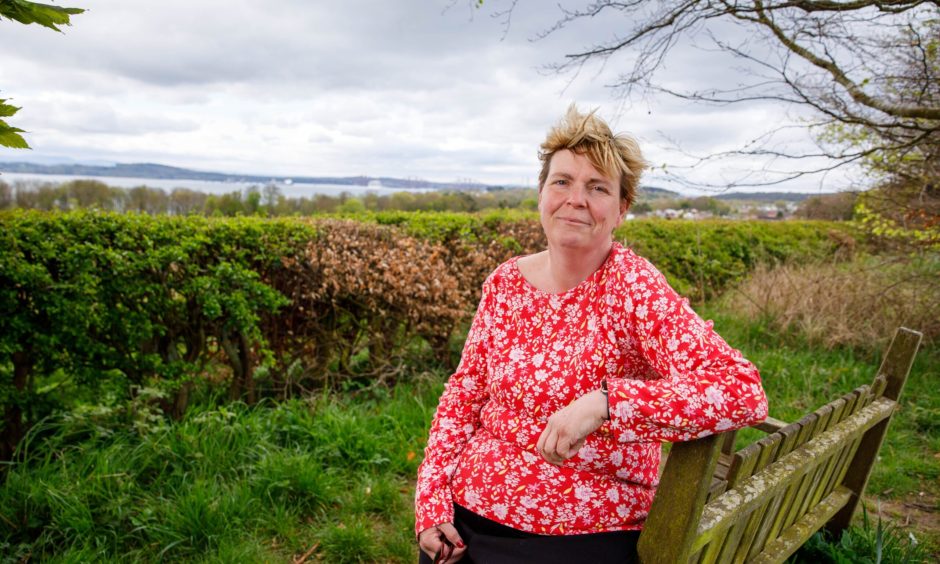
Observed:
{"x":530,"y":353}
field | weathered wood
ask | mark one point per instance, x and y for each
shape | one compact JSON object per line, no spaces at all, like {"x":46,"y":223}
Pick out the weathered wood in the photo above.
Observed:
{"x":721,"y":513}
{"x":849,"y":454}
{"x":673,"y":519}
{"x":843,"y":464}
{"x":761,"y":503}
{"x":811,"y":480}
{"x":747,"y":528}
{"x":742,"y":464}
{"x":721,"y":552}
{"x":727,"y":442}
{"x":710,"y":552}
{"x":789,"y":434}
{"x":895,"y":368}
{"x":804,"y":432}
{"x":793,"y":538}
{"x":771,"y":425}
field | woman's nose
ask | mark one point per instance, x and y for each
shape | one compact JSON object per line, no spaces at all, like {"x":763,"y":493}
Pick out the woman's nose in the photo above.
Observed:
{"x":577,"y":196}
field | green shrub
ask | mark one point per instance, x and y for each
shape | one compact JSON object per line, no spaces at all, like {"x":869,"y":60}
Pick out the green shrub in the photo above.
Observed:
{"x":703,"y":259}
{"x":129,"y":317}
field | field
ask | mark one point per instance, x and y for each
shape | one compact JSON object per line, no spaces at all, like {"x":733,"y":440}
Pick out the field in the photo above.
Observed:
{"x":322,"y":468}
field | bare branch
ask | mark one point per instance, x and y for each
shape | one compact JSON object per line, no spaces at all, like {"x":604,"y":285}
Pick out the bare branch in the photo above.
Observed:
{"x":839,"y":76}
{"x":868,"y":68}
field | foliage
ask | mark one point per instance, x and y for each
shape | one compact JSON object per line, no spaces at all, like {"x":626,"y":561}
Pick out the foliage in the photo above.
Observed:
{"x":127,"y":302}
{"x":45,"y":15}
{"x":902,"y":161}
{"x":9,"y":135}
{"x":702,"y":259}
{"x":900,"y":220}
{"x":267,"y":201}
{"x":27,"y":12}
{"x":828,"y":207}
{"x":146,"y":313}
{"x":884,"y":544}
{"x":359,"y":287}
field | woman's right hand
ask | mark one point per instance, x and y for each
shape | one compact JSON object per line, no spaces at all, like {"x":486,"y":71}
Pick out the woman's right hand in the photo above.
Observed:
{"x":442,"y":542}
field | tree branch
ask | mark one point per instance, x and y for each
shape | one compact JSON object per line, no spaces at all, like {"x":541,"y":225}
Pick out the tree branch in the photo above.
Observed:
{"x":839,"y":76}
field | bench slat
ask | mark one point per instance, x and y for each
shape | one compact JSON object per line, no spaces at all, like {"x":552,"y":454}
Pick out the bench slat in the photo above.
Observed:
{"x":761,"y":503}
{"x":793,"y":538}
{"x":720,"y":514}
{"x":770,"y":425}
{"x":810,"y":481}
{"x":789,"y":434}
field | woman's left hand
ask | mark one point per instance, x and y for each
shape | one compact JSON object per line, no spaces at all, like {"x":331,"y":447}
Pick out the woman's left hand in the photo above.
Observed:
{"x":567,"y":428}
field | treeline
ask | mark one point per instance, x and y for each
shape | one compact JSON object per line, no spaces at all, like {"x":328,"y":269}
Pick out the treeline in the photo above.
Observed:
{"x":264,"y":200}
{"x":270,"y":201}
{"x":141,"y":314}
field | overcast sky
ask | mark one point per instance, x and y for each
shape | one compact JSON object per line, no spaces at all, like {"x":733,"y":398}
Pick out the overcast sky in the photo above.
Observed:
{"x":432,"y":89}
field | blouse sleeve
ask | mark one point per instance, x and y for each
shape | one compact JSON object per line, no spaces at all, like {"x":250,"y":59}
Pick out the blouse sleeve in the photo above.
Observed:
{"x":704,"y":385}
{"x":455,"y":421}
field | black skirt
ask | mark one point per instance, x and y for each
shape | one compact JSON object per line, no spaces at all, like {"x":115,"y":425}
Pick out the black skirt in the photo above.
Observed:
{"x":489,"y":542}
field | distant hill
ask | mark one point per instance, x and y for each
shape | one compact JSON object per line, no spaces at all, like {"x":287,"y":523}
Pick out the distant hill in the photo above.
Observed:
{"x":150,"y":170}
{"x":654,"y":193}
{"x":768,"y":197}
{"x":648,"y":193}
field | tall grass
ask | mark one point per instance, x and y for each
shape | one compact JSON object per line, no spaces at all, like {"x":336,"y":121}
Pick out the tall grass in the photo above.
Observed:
{"x":233,"y":483}
{"x":855,"y":303}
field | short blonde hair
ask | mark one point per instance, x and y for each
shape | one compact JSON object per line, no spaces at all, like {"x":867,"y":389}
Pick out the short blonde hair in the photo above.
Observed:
{"x":587,"y":134}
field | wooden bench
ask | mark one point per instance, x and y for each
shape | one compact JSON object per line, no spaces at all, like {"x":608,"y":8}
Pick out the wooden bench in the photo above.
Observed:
{"x":767,"y":499}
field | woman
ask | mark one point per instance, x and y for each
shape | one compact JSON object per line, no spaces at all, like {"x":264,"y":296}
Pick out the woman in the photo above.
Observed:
{"x":580,"y":361}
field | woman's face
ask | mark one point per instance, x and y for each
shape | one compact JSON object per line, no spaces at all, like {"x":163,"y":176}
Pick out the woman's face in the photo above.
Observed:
{"x":579,"y":206}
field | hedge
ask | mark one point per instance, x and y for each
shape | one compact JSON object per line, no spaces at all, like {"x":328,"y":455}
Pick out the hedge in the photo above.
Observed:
{"x":102,"y":308}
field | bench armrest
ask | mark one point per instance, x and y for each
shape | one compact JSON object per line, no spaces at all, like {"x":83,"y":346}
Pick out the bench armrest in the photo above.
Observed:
{"x":770,"y":425}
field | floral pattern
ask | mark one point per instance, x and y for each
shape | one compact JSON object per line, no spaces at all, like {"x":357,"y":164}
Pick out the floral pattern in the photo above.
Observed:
{"x":530,"y":353}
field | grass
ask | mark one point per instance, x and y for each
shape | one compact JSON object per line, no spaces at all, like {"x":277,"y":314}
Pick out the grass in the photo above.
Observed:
{"x":883,"y":543}
{"x":336,"y":473}
{"x":228,"y":484}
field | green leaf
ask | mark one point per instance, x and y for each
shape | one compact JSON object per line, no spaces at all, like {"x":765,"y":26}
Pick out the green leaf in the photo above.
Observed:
{"x":10,"y":137}
{"x":45,"y":15}
{"x":7,"y":110}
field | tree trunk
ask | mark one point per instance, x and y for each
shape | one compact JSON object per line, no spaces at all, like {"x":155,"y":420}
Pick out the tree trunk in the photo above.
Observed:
{"x":238,"y":352}
{"x":13,"y":427}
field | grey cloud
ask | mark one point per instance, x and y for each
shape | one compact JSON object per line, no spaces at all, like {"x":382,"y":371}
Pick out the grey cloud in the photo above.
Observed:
{"x":101,"y":118}
{"x":415,"y":87}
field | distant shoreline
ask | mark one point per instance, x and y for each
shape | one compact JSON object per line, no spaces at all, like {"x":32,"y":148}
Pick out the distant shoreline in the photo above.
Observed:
{"x":163,"y":172}
{"x":292,"y":190}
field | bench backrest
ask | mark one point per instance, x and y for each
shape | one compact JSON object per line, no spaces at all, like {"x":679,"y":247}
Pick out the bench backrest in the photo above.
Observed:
{"x":776,"y":492}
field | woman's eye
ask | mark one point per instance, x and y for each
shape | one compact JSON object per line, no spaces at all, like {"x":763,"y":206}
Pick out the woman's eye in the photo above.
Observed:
{"x":600,"y":188}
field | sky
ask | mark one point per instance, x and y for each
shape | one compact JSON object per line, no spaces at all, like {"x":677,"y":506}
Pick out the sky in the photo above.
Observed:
{"x":431,"y":89}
